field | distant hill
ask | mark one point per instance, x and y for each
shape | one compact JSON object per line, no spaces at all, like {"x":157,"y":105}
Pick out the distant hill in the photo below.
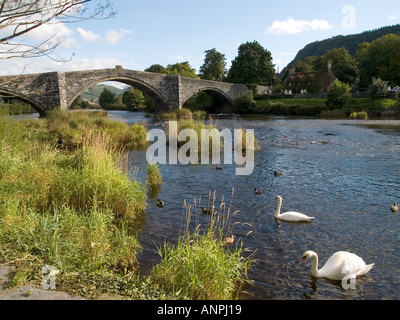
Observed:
{"x":350,"y":42}
{"x":94,"y":92}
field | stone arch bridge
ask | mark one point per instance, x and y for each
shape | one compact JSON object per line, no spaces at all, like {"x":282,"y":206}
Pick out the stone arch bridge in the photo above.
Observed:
{"x":46,"y":91}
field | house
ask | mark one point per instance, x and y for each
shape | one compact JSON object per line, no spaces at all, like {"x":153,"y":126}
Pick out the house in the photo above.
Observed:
{"x":311,"y":82}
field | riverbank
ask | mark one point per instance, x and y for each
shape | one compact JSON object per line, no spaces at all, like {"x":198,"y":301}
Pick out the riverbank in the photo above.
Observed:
{"x":67,"y":201}
{"x":317,"y":107}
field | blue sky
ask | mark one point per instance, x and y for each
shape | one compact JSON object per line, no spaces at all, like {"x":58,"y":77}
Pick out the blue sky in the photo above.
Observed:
{"x":146,"y":32}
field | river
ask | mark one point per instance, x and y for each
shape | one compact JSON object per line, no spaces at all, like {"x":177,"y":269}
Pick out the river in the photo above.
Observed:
{"x":345,"y":173}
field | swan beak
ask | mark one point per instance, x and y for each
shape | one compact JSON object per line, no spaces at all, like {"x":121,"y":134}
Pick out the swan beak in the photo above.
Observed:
{"x":304,"y":260}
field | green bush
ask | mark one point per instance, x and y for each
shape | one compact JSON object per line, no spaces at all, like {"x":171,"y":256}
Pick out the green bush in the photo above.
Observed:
{"x":338,"y":96}
{"x":378,"y":89}
{"x":245,"y":103}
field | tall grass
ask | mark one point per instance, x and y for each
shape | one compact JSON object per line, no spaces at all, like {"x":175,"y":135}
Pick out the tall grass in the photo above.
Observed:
{"x":73,"y":210}
{"x":200,"y":266}
{"x":154,"y":175}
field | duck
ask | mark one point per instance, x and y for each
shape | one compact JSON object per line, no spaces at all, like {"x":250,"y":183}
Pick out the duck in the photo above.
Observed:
{"x":219,"y":168}
{"x":208,"y":211}
{"x":257,"y":191}
{"x":394,"y":207}
{"x":160,"y":203}
{"x":228,"y":241}
{"x":292,"y":216}
{"x":338,"y":266}
{"x":277,"y":173}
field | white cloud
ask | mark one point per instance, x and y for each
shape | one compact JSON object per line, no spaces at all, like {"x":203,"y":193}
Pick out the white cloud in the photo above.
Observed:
{"x":113,"y":37}
{"x":393,"y":17}
{"x":88,"y":35}
{"x":292,"y":26}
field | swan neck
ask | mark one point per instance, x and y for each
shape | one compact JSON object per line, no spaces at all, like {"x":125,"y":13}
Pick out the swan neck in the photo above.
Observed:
{"x":278,"y":209}
{"x":314,"y":268}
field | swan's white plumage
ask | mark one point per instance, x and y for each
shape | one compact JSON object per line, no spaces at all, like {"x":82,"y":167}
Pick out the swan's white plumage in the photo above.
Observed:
{"x":292,"y":216}
{"x":339,"y":265}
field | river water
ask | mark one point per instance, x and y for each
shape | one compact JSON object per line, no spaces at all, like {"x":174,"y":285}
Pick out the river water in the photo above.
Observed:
{"x":345,"y":173}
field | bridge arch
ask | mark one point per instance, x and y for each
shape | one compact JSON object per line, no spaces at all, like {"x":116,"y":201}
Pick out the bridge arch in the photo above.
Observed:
{"x":39,"y":107}
{"x":152,"y":93}
{"x":223,"y":102}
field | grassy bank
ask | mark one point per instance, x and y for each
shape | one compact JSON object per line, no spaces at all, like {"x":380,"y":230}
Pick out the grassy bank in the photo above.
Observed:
{"x":317,"y":107}
{"x":66,"y":201}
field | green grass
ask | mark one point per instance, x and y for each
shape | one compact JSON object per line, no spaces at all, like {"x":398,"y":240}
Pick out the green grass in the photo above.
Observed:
{"x":200,"y":266}
{"x":154,"y":175}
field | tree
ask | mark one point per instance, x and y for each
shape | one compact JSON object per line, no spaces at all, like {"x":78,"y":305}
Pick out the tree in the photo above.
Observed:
{"x":107,"y":98}
{"x":157,"y":68}
{"x":134,"y":100}
{"x":182,"y":69}
{"x":214,"y":66}
{"x":253,"y":65}
{"x":380,"y":58}
{"x":19,"y":18}
{"x":338,"y":95}
{"x":344,"y":66}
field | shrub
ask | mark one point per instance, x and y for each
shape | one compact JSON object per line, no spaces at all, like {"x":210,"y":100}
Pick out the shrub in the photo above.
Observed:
{"x":338,"y":95}
{"x":245,"y":103}
{"x":154,"y":175}
{"x":359,"y":115}
{"x":378,"y":89}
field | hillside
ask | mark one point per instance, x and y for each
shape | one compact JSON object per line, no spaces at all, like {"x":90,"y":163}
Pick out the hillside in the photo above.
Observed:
{"x":350,"y":42}
{"x":94,"y":92}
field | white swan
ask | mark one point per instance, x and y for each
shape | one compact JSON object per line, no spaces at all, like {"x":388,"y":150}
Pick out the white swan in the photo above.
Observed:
{"x":338,"y":266}
{"x":291,"y":215}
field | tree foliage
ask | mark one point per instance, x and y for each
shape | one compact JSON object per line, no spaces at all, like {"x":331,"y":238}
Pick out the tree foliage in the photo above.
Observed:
{"x":214,"y":66}
{"x":107,"y":98}
{"x":134,"y":100}
{"x":378,"y":89}
{"x":350,"y":42}
{"x":338,"y":95}
{"x":253,"y":65}
{"x":380,"y":58}
{"x":344,"y":66}
{"x":182,"y":69}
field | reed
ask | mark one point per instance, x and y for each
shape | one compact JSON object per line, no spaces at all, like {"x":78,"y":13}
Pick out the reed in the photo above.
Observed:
{"x":154,"y":175}
{"x":200,"y":266}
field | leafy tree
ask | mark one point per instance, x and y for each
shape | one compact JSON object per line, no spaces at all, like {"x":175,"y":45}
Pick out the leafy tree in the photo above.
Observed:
{"x":380,"y":58}
{"x":182,"y":69}
{"x":157,"y":68}
{"x":344,"y":66}
{"x":338,"y":95}
{"x":107,"y":98}
{"x":253,"y":65}
{"x":134,"y":100}
{"x":214,"y":66}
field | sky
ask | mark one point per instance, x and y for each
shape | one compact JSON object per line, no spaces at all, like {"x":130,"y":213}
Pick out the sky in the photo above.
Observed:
{"x":147,"y":32}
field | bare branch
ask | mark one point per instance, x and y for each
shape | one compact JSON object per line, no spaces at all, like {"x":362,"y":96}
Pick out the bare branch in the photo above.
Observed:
{"x":19,"y":18}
